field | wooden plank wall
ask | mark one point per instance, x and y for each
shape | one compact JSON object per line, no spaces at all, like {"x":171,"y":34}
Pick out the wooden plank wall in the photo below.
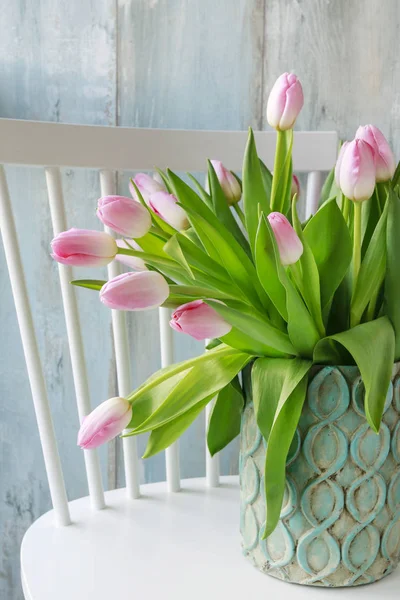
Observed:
{"x":151,"y":63}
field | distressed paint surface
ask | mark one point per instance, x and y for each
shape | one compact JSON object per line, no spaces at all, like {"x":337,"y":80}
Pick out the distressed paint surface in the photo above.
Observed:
{"x":58,"y":64}
{"x":151,"y":63}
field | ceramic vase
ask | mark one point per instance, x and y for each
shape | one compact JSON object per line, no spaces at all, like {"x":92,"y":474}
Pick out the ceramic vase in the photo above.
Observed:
{"x":340,"y":520}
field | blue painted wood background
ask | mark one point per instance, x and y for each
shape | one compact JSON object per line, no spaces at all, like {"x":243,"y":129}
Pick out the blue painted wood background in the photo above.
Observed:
{"x":151,"y":63}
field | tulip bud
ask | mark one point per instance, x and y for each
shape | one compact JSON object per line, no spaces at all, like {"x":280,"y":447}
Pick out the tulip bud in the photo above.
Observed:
{"x":295,"y":187}
{"x":285,"y":102}
{"x":83,"y":248}
{"x":146,"y":186}
{"x":165,"y":206}
{"x":385,"y":164}
{"x":356,"y":171}
{"x":104,"y":423}
{"x":124,"y":215}
{"x":339,"y":163}
{"x":228,"y":182}
{"x":135,"y":291}
{"x":289,"y":244}
{"x":133,"y":262}
{"x":199,"y":320}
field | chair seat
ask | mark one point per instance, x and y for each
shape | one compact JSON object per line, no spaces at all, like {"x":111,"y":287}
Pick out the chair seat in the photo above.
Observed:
{"x":169,"y":546}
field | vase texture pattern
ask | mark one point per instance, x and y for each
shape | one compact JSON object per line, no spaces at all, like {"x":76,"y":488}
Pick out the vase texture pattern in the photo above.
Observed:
{"x":340,"y":519}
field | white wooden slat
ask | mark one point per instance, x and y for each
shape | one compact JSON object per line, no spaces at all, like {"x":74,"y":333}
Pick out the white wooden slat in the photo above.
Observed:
{"x":314,"y":186}
{"x":212,"y":462}
{"x":123,"y":148}
{"x":121,"y":345}
{"x":167,"y":358}
{"x":32,"y":358}
{"x":58,"y":218}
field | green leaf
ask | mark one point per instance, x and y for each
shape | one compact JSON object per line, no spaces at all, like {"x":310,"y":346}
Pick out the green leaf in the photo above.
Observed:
{"x":256,"y":328}
{"x":396,"y":177}
{"x":329,"y":239}
{"x":279,"y":389}
{"x":224,"y":424}
{"x":372,"y":346}
{"x":329,"y":189}
{"x":372,"y":271}
{"x":167,"y":372}
{"x":166,"y":435}
{"x":91,"y":284}
{"x":221,"y":208}
{"x":173,"y":249}
{"x":267,"y":179}
{"x":371,"y":214}
{"x":253,"y":189}
{"x":152,"y":243}
{"x":267,"y":268}
{"x":194,"y":388}
{"x":232,"y":257}
{"x":190,"y":201}
{"x":309,"y":284}
{"x":392,"y":280}
{"x":201,"y":191}
{"x":180,"y":245}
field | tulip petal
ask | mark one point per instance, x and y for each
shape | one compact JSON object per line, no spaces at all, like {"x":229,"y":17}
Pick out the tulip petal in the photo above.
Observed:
{"x":124,"y":215}
{"x":199,"y":320}
{"x":104,"y":423}
{"x":83,"y":247}
{"x":135,"y":291}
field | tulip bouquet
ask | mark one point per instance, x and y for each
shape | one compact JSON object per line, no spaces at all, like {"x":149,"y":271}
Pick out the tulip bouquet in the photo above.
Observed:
{"x":275,"y":295}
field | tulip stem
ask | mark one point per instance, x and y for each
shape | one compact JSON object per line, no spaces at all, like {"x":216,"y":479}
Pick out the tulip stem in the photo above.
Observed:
{"x":240,"y":214}
{"x":356,"y":242}
{"x":280,"y":154}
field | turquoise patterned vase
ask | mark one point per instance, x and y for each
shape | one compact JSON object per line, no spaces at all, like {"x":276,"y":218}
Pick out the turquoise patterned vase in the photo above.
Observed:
{"x":340,"y":519}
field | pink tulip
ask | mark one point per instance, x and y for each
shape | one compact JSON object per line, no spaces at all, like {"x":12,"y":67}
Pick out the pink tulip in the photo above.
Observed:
{"x":228,"y":182}
{"x":165,"y":206}
{"x":339,"y":163}
{"x":104,"y":423}
{"x":199,"y":320}
{"x":84,"y":248}
{"x":146,"y":186}
{"x":295,"y":186}
{"x":356,"y":171}
{"x":133,"y":262}
{"x":285,"y":102}
{"x":289,"y":244}
{"x":135,"y":291}
{"x":385,"y":163}
{"x":124,"y":215}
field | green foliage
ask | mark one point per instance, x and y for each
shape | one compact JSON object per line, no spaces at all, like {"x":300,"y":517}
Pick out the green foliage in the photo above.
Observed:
{"x":254,"y":194}
{"x":329,"y":240}
{"x":320,"y":310}
{"x":372,"y":346}
{"x":392,"y":279}
{"x":90,"y":284}
{"x":228,"y":410}
{"x":279,"y":389}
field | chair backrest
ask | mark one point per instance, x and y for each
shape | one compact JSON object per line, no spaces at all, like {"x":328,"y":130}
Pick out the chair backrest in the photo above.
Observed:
{"x":112,"y":149}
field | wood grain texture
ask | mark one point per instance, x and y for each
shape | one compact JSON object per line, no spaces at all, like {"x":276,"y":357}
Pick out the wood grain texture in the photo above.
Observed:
{"x":344,"y":53}
{"x":58,"y":64}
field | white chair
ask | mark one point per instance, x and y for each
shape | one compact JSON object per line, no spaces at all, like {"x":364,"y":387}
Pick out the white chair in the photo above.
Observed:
{"x":149,"y":540}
